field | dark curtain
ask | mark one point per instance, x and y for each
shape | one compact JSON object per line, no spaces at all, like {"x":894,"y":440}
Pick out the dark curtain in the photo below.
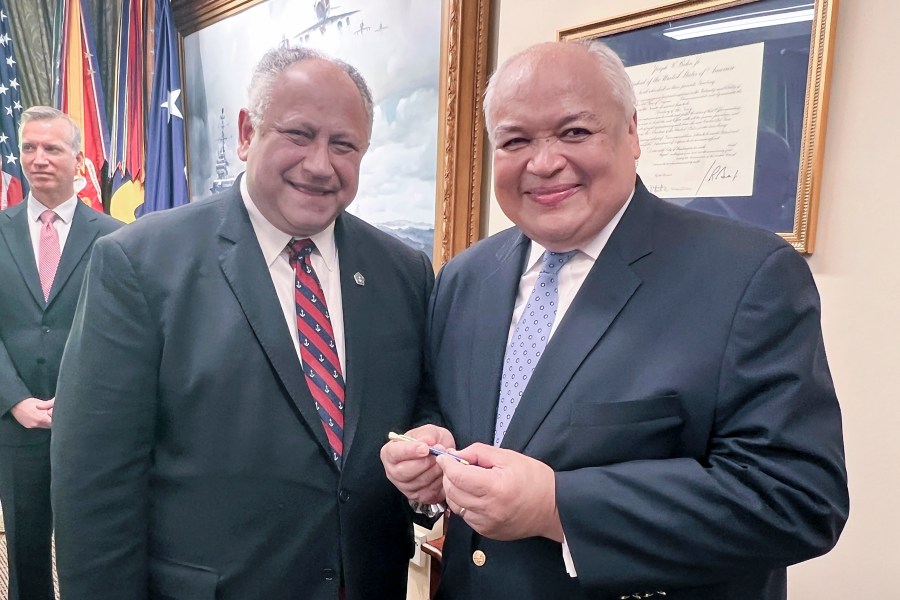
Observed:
{"x":32,"y":31}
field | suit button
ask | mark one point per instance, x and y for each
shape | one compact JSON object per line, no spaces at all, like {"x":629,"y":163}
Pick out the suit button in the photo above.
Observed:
{"x":344,"y":495}
{"x":41,"y":360}
{"x":45,"y":329}
{"x":479,"y":558}
{"x":329,"y":574}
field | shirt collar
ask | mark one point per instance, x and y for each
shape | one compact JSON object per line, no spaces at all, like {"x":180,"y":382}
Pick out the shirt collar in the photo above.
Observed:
{"x":273,"y":241}
{"x":594,"y":246}
{"x":65,"y":211}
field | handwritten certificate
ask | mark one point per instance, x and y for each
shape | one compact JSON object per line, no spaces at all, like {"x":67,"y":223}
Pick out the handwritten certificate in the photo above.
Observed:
{"x":697,"y":122}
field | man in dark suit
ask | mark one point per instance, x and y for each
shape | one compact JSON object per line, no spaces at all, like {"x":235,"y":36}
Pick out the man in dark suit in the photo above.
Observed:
{"x":45,"y":243}
{"x":666,"y":421}
{"x":211,"y":441}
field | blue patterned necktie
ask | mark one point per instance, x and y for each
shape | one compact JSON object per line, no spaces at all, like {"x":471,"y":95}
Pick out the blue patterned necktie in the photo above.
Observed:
{"x":317,"y":348}
{"x":529,"y":339}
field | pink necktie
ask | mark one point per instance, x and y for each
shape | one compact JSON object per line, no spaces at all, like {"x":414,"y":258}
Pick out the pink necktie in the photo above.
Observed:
{"x":48,"y":251}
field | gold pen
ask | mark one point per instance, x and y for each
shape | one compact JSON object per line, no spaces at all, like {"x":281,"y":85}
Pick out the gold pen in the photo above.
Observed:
{"x":432,"y":449}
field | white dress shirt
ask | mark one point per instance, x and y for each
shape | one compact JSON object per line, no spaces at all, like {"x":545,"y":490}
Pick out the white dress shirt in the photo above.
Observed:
{"x":571,"y":276}
{"x":570,"y":279}
{"x":324,"y":259}
{"x":65,"y":212}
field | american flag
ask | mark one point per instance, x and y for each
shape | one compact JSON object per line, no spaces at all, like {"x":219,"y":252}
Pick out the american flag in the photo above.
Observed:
{"x":14,"y":186}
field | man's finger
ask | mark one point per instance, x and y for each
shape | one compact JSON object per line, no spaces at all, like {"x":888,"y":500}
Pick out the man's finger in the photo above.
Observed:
{"x":483,"y":455}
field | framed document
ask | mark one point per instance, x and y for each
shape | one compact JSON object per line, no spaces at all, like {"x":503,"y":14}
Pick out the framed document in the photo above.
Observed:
{"x":732,"y":99}
{"x":426,"y":64}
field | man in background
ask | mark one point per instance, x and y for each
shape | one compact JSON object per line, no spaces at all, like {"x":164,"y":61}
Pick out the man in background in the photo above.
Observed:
{"x":45,"y":244}
{"x":641,"y":389}
{"x":234,"y":370}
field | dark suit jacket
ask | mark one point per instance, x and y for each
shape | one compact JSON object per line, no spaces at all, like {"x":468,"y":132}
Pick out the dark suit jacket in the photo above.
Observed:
{"x":684,"y":402}
{"x":189,"y":460}
{"x":33,"y":331}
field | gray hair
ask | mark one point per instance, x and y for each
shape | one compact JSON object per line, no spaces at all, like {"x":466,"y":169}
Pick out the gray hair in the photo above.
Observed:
{"x":277,"y":60}
{"x":610,"y":64}
{"x":48,"y":113}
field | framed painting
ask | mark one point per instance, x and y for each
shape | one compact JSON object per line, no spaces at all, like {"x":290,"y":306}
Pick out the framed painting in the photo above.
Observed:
{"x":732,"y":98}
{"x":426,"y":62}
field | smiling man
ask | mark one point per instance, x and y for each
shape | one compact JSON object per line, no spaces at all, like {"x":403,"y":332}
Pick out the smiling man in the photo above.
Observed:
{"x":640,"y":390}
{"x":45,"y":244}
{"x":234,"y":369}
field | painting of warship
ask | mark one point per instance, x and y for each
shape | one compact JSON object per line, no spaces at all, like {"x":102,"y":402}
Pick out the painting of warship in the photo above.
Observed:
{"x":398,"y":176}
{"x":224,"y":179}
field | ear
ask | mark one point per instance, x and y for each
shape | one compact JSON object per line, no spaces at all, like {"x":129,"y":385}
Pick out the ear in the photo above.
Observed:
{"x":79,"y":160}
{"x":245,"y":134}
{"x":633,"y":136}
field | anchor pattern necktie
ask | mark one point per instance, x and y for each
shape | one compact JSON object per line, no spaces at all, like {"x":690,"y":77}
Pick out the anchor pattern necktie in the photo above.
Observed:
{"x":48,"y":251}
{"x":529,"y":339}
{"x":317,"y":347}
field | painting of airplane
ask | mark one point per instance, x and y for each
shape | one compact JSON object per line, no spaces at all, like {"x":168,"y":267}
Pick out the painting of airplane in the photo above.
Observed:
{"x":325,"y":17}
{"x":362,"y":29}
{"x":381,"y":27}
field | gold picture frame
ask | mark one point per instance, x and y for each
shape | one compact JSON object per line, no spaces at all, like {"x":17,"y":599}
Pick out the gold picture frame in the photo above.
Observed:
{"x":645,"y":28}
{"x":463,"y":74}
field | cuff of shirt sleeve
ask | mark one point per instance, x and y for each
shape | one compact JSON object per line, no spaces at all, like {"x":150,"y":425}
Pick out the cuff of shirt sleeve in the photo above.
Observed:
{"x":567,"y":558}
{"x":429,"y":510}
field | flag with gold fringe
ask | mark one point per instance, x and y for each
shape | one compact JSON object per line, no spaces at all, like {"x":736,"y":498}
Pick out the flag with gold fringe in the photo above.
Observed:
{"x":127,"y":149}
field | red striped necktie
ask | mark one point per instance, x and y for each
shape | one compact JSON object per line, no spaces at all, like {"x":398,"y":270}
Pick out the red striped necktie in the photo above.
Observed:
{"x":317,"y":348}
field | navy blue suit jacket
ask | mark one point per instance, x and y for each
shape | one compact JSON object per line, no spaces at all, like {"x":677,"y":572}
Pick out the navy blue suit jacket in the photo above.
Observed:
{"x":684,"y":402}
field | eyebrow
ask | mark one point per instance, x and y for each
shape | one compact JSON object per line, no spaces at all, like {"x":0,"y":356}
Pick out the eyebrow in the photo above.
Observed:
{"x":583,"y":115}
{"x":566,"y":120}
{"x":27,"y":142}
{"x":315,"y":130}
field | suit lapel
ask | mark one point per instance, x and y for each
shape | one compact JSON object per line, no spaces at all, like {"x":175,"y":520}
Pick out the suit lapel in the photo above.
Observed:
{"x":245,"y":270}
{"x":607,"y":289}
{"x":14,"y":229}
{"x":496,"y":299}
{"x":81,"y":234}
{"x":358,"y":309}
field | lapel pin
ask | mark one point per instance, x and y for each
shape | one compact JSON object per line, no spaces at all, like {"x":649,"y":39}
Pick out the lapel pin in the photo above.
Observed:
{"x":359,"y":279}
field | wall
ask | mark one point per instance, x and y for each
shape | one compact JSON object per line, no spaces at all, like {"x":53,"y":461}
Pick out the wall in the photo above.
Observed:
{"x":855,"y":265}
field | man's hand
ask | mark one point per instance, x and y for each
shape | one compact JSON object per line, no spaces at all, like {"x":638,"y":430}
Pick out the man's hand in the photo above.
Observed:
{"x":506,"y":495}
{"x":32,"y":413}
{"x":412,"y":469}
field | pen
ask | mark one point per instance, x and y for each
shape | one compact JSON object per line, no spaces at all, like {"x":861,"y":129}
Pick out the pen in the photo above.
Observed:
{"x":432,"y":449}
